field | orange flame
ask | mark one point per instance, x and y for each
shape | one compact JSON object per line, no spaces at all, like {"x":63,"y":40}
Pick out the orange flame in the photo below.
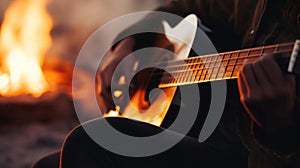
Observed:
{"x":154,"y":115}
{"x":25,"y":39}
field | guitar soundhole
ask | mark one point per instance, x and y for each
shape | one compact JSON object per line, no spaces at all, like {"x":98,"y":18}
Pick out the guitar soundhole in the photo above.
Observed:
{"x":145,"y":86}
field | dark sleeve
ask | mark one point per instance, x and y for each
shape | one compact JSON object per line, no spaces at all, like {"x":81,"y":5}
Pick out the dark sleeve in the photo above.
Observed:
{"x":214,"y":14}
{"x":262,"y":154}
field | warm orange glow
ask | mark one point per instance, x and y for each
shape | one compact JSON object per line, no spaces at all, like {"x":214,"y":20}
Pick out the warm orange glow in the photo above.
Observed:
{"x":154,"y":114}
{"x":113,"y":113}
{"x":25,"y":39}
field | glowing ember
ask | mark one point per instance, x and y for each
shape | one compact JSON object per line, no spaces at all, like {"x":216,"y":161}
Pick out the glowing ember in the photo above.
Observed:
{"x":25,"y":39}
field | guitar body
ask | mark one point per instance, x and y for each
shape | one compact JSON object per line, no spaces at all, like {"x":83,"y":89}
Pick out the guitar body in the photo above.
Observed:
{"x":153,"y":110}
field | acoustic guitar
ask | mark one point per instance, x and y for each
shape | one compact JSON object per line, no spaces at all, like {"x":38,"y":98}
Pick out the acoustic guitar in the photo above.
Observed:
{"x":183,"y":70}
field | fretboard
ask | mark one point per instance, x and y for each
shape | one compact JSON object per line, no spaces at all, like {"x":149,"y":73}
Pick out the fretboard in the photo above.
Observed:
{"x":214,"y":67}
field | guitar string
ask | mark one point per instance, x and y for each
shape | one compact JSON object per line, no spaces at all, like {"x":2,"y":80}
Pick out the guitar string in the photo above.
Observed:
{"x":222,"y":60}
{"x":205,"y":75}
{"x":202,"y":65}
{"x":194,"y":74}
{"x":199,"y":77}
{"x":196,"y":77}
{"x":228,"y":53}
{"x":232,"y":71}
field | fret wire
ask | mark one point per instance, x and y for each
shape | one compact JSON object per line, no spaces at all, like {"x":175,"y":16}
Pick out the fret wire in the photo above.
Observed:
{"x":211,"y":67}
{"x":206,"y":67}
{"x":186,"y":76}
{"x":198,"y":69}
{"x":221,"y":63}
{"x":182,"y":74}
{"x":234,"y":65}
{"x":203,"y":70}
{"x":226,"y":67}
{"x":201,"y":73}
{"x":196,"y":72}
{"x":248,"y":54}
{"x":189,"y":67}
{"x":192,"y":74}
{"x":262,"y":50}
{"x":212,"y":70}
{"x":276,"y":48}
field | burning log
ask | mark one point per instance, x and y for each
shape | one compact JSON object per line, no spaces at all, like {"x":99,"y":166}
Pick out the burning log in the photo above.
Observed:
{"x":26,"y":108}
{"x":55,"y":104}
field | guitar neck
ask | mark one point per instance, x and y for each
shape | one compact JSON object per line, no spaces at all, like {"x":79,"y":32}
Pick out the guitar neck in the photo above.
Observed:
{"x":214,"y":67}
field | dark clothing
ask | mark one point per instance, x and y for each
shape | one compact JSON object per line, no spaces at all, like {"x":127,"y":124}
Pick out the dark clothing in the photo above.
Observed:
{"x":235,"y":24}
{"x":187,"y":153}
{"x":241,"y":24}
{"x":244,"y":20}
